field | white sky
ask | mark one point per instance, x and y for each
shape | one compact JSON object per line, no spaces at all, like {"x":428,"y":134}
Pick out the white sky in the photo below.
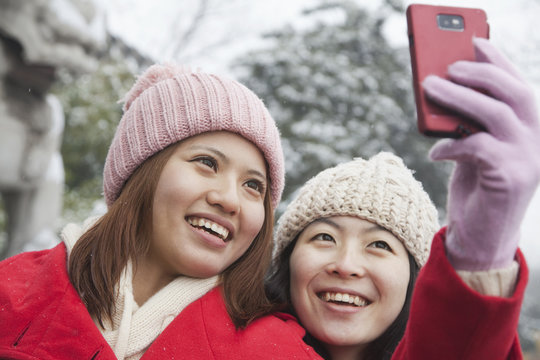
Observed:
{"x":151,"y":26}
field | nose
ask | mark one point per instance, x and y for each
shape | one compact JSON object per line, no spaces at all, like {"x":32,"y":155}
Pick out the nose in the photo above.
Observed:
{"x":224,"y":195}
{"x":347,"y":264}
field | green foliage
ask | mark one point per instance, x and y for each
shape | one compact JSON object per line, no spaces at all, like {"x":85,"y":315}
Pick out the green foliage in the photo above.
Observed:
{"x":92,"y":113}
{"x":338,"y":90}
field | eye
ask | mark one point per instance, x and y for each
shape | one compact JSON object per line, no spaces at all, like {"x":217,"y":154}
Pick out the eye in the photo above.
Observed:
{"x":207,"y":161}
{"x":380,"y":244}
{"x":324,"y":237}
{"x":256,"y":185}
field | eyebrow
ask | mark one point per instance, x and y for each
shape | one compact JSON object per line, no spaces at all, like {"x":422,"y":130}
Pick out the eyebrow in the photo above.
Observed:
{"x":216,"y":152}
{"x":375,"y":228}
{"x":329,"y":222}
{"x":225,"y":158}
{"x":371,"y":229}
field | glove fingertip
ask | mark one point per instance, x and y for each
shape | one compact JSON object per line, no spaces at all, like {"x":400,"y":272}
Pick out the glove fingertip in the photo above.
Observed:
{"x":480,"y":41}
{"x":482,"y":48}
{"x":435,"y":155}
{"x":430,"y":81}
{"x":434,"y":86}
{"x":486,"y":52}
{"x":439,"y":150}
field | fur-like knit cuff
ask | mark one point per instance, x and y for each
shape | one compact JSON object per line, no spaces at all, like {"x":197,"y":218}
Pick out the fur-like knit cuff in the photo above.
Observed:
{"x":495,"y":282}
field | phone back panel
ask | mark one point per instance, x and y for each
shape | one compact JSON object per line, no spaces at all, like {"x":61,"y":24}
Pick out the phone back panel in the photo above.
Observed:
{"x":432,"y":50}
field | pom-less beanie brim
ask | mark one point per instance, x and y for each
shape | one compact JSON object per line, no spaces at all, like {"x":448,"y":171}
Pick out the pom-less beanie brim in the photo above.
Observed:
{"x":381,"y":190}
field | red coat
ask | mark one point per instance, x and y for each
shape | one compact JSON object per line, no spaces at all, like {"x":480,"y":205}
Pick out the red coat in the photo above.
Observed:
{"x":450,"y":321}
{"x":42,"y":317}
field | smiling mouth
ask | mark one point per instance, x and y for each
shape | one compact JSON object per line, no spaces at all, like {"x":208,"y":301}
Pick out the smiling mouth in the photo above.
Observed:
{"x":209,"y":226}
{"x":343,"y":299}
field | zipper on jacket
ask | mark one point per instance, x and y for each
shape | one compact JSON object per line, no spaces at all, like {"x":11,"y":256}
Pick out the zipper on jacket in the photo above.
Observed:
{"x":96,"y":354}
{"x":19,"y":338}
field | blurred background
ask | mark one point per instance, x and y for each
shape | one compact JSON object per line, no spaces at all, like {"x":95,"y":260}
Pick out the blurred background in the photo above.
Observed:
{"x":334,"y":74}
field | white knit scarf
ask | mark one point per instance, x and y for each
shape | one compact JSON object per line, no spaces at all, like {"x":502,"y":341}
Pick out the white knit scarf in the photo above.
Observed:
{"x":133,"y":327}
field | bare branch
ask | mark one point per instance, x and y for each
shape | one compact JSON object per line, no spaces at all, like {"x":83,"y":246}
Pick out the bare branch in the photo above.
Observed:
{"x":192,"y":28}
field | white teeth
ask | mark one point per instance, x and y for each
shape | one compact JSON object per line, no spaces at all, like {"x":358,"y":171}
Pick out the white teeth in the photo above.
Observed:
{"x":343,"y":298}
{"x":218,"y":229}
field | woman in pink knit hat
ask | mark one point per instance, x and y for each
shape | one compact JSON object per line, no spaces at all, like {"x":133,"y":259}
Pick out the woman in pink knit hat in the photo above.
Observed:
{"x":191,"y":180}
{"x":350,"y":245}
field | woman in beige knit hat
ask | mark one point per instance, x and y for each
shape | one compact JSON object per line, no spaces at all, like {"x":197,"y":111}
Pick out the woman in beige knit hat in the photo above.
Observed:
{"x":350,"y":245}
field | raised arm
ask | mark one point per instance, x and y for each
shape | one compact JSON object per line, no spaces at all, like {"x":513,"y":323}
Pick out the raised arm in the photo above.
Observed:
{"x":496,"y":173}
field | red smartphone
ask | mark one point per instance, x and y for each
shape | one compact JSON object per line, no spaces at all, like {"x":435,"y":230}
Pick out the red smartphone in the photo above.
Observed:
{"x":438,"y":37}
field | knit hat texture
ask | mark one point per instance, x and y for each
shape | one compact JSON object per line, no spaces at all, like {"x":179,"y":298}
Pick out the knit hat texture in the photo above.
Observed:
{"x":169,"y":103}
{"x":381,"y":190}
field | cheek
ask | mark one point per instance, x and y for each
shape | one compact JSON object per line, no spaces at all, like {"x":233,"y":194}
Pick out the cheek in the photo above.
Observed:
{"x":170,"y":192}
{"x":403,"y":275}
{"x":301,"y":272}
{"x":168,"y":203}
{"x":253,"y":220}
{"x":396,"y":286}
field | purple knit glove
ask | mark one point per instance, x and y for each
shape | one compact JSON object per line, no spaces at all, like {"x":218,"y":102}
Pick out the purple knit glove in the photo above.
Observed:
{"x":496,"y":171}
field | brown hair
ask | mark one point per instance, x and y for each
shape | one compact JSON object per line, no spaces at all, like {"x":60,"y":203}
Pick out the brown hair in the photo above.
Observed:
{"x":243,"y":281}
{"x":100,"y":255}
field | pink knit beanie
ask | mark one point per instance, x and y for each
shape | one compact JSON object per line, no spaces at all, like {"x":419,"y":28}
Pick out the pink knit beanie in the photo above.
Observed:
{"x":169,"y":103}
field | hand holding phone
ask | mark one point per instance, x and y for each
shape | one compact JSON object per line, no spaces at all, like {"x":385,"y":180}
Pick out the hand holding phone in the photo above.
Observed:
{"x":497,"y":170}
{"x":438,"y":37}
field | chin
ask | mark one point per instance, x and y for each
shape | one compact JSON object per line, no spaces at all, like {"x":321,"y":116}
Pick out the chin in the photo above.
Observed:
{"x":205,"y":274}
{"x":339,"y":339}
{"x":202,"y":271}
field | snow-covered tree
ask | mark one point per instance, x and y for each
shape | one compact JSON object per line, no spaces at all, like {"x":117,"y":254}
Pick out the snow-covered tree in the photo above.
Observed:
{"x":92,"y":114}
{"x":338,"y":90}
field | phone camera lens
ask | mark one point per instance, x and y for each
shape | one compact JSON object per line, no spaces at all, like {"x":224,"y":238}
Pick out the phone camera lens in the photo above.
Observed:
{"x":450,"y":22}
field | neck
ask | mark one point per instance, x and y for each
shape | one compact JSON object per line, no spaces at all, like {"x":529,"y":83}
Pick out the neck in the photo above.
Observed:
{"x":344,"y":352}
{"x":147,"y":281}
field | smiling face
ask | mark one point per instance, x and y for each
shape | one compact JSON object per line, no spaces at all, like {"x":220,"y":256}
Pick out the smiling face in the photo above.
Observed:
{"x":208,"y":207}
{"x":349,"y":280}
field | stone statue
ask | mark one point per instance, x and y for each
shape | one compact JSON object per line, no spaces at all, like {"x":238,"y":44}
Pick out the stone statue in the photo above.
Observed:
{"x":38,"y":37}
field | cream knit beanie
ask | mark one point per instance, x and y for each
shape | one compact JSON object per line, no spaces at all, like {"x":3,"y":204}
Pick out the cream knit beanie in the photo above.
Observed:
{"x":381,"y":190}
{"x":169,"y":103}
